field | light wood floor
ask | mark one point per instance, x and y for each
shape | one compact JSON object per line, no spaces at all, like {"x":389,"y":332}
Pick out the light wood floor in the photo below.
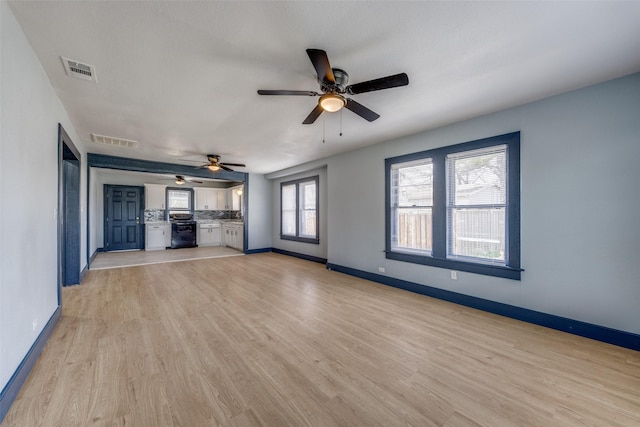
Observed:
{"x":135,"y":258}
{"x":272,"y":340}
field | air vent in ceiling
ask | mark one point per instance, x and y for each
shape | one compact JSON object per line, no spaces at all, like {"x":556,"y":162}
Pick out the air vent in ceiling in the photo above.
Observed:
{"x":118,"y":142}
{"x":79,"y":70}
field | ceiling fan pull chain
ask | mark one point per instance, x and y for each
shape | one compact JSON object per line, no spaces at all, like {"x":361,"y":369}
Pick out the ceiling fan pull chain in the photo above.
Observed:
{"x":323,"y":126}
{"x":341,"y":122}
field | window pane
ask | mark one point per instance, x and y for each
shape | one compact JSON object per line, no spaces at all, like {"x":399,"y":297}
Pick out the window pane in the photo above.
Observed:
{"x":308,"y":224}
{"x":413,"y":229}
{"x":179,"y":199}
{"x":308,"y":209}
{"x":478,"y":177}
{"x":289,"y":222}
{"x":478,"y":233}
{"x":308,"y":195}
{"x":413,"y":183}
{"x":288,"y":197}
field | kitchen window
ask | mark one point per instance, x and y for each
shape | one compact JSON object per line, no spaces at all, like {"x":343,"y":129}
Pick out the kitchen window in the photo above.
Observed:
{"x":179,"y":200}
{"x":299,"y":210}
{"x":457,"y":207}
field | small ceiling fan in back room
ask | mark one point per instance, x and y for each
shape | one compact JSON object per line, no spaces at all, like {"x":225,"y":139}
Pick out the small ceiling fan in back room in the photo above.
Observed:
{"x":333,"y":84}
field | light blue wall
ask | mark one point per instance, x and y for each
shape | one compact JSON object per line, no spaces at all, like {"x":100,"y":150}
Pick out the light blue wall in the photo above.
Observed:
{"x":259,"y":217}
{"x":29,"y":115}
{"x":580,"y":204}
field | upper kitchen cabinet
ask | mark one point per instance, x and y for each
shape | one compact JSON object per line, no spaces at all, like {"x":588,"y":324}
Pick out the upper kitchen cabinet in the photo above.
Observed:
{"x":154,"y":196}
{"x":223,"y":200}
{"x":206,"y":199}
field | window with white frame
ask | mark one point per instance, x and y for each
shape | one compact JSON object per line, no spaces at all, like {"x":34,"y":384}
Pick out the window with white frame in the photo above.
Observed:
{"x":457,"y":207}
{"x":299,"y":210}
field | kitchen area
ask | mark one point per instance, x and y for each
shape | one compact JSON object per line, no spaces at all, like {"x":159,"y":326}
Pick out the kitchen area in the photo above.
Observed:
{"x":177,"y":218}
{"x":171,"y":218}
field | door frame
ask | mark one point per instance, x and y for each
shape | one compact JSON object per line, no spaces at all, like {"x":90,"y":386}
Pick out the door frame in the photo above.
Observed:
{"x":68,"y":215}
{"x":105,"y":223}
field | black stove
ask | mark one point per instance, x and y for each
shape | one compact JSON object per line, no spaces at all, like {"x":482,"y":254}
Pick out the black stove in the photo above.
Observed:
{"x":183,"y":230}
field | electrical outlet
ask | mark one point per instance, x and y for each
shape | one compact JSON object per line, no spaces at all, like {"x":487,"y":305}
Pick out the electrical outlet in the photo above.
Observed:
{"x":35,"y":323}
{"x":454,"y":275}
{"x":381,"y":269}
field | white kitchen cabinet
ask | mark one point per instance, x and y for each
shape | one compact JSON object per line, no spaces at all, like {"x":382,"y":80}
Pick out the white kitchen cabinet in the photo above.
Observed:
{"x":154,"y":196}
{"x":206,"y":199}
{"x":209,"y":234}
{"x":223,"y":200}
{"x":233,"y":235}
{"x":156,"y":236}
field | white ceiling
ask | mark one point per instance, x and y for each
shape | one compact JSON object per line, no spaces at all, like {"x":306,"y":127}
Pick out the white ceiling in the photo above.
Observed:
{"x":181,"y":77}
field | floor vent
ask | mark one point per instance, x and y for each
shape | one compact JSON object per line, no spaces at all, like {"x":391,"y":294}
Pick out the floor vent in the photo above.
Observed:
{"x":79,"y":70}
{"x":118,"y":142}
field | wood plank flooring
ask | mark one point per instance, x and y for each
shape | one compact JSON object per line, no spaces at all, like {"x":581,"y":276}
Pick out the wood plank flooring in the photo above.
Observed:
{"x":270,"y":340}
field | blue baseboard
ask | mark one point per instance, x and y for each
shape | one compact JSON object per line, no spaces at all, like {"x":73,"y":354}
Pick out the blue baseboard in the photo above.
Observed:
{"x":257,"y":251}
{"x":299,"y":255}
{"x":576,"y":327}
{"x":11,"y":390}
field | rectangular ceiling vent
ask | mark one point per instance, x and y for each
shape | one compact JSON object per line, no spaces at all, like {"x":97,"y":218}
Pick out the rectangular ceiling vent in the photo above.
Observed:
{"x":118,"y":142}
{"x":79,"y":70}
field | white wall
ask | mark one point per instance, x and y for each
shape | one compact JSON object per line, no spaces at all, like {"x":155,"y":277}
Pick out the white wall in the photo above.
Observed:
{"x":30,"y":113}
{"x":580,"y":201}
{"x":319,"y":250}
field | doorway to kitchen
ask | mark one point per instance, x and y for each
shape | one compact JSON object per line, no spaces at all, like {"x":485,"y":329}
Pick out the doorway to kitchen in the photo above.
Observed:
{"x":123,"y":213}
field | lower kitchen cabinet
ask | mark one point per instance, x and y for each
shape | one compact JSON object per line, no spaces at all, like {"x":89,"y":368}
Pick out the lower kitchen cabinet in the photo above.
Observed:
{"x":156,"y":235}
{"x":233,"y":235}
{"x":209,"y":234}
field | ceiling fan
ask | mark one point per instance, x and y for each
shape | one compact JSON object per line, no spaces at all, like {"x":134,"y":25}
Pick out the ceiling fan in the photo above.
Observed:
{"x":333,"y":84}
{"x":215,"y":164}
{"x":181,"y":180}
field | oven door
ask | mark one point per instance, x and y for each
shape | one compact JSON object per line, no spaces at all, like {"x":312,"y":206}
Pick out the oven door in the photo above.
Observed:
{"x":183,"y":235}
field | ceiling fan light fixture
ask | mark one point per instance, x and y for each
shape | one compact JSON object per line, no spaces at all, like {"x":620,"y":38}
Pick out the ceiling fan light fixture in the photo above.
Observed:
{"x":180,"y":181}
{"x":332,"y":102}
{"x":213,"y":167}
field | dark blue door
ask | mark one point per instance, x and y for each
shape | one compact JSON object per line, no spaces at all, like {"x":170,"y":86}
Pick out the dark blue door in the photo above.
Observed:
{"x":123,"y":228}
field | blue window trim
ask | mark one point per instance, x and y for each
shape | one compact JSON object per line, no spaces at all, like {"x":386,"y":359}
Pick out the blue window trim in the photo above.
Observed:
{"x":438,"y":256}
{"x":297,"y":238}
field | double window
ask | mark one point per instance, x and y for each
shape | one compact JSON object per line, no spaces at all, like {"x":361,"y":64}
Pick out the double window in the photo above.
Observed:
{"x":457,"y":207}
{"x":299,"y":210}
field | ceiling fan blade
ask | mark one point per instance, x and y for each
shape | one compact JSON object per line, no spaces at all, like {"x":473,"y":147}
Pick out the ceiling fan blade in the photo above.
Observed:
{"x":378,"y":84}
{"x":361,"y":110}
{"x":240,"y":165}
{"x":197,"y":182}
{"x":287,"y":92}
{"x":225,"y":168}
{"x":320,"y":62}
{"x":313,"y":115}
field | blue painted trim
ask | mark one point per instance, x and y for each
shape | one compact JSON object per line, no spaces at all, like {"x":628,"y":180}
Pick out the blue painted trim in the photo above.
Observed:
{"x":576,"y":327}
{"x":11,"y":390}
{"x":83,"y":273}
{"x":137,"y":165}
{"x":299,"y":255}
{"x":439,"y":257}
{"x":257,"y":251}
{"x":245,"y":212}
